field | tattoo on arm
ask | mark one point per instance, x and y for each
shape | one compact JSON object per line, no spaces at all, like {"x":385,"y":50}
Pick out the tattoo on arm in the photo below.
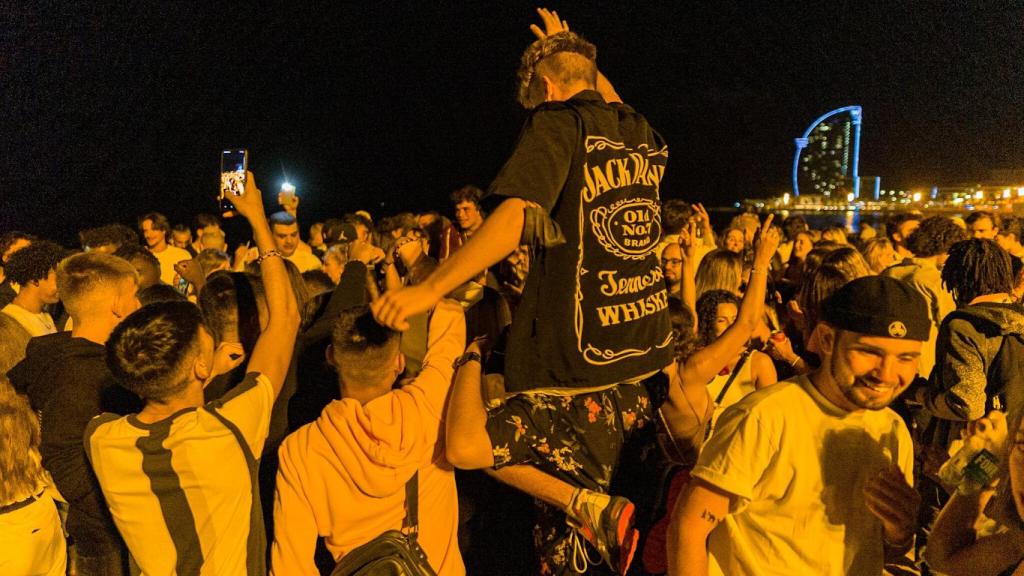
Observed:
{"x":709,"y":517}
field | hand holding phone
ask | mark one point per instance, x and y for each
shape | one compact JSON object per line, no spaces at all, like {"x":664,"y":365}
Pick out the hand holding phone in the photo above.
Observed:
{"x":234,"y":166}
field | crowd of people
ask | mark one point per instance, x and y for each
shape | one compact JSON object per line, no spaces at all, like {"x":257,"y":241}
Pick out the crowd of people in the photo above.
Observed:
{"x":765,"y":398}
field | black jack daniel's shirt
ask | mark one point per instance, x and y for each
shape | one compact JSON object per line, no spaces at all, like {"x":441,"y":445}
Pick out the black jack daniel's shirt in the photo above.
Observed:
{"x":594,"y":310}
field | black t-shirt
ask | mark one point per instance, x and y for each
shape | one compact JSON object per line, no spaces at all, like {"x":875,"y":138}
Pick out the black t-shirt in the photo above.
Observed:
{"x":68,"y":381}
{"x":594,"y":310}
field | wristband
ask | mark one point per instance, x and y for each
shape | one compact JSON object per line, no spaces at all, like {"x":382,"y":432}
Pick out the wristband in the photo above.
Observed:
{"x":269,"y":254}
{"x":466,"y":358}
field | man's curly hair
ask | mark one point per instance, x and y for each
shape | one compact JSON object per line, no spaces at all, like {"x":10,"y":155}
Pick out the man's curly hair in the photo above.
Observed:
{"x":975,"y":268}
{"x":34,"y":262}
{"x":934,"y":236}
{"x":147,"y":351}
{"x":565,"y":69}
{"x":110,"y":235}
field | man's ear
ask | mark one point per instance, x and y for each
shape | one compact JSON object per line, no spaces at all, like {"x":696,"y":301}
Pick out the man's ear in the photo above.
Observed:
{"x":329,"y":353}
{"x":400,"y":364}
{"x":200,"y":370}
{"x":551,"y":91}
{"x":827,"y":336}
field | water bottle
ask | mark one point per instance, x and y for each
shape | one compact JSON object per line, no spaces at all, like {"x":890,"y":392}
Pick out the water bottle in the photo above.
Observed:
{"x":973,"y":467}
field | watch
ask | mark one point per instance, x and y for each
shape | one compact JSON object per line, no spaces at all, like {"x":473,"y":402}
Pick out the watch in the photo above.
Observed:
{"x":467,"y":357}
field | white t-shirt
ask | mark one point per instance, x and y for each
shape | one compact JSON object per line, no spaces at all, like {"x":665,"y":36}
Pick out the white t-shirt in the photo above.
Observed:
{"x":304,"y":260}
{"x":168,"y":258}
{"x":36,"y":324}
{"x":796,"y":465}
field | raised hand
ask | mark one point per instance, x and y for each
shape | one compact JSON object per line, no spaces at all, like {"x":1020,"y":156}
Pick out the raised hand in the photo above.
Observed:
{"x":688,"y":241}
{"x":766,"y":243}
{"x":250,"y":203}
{"x":702,"y":213}
{"x":365,"y":252}
{"x":552,"y":24}
{"x":394,"y":308}
{"x":289,"y":201}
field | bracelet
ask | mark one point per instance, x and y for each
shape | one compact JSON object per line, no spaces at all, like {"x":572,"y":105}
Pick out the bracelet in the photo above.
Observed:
{"x":466,"y":358}
{"x":269,"y":254}
{"x":795,"y":362}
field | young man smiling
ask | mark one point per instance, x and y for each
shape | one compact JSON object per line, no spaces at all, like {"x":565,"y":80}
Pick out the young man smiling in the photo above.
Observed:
{"x":812,"y":475}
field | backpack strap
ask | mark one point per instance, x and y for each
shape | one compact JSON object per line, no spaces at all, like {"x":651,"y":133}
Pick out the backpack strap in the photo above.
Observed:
{"x":412,"y":489}
{"x":732,"y":377}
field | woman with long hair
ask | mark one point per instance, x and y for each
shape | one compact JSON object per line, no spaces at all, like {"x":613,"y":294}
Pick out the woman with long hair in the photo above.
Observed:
{"x":720,"y":270}
{"x":31,"y":537}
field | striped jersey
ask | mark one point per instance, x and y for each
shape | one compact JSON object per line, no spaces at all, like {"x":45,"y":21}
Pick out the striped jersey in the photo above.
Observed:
{"x":183,"y":491}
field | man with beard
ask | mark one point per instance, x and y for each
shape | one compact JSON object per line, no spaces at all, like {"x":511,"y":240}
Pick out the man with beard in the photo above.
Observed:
{"x":812,"y":475}
{"x":672,"y":269}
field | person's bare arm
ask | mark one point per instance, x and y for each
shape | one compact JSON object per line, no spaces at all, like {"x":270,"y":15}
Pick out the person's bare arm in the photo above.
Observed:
{"x":553,"y":25}
{"x":699,"y":509}
{"x":705,"y":363}
{"x":273,"y":350}
{"x":955,"y":548}
{"x":763,"y":370}
{"x":688,"y":270}
{"x":497,"y":238}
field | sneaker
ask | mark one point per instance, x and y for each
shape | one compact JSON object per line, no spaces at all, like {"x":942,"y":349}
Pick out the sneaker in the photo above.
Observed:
{"x":607,"y":523}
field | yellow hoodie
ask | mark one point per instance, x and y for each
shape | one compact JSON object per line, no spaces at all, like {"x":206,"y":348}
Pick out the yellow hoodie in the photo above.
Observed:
{"x":343,"y":476}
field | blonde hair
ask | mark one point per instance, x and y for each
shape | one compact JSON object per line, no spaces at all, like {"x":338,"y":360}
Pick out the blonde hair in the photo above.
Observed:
{"x":720,"y":270}
{"x":81,"y":274}
{"x":879,"y":252}
{"x":565,"y":57}
{"x":21,"y":470}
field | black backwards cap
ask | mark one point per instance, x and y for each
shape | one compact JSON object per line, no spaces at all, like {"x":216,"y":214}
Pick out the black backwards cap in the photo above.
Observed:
{"x":878,"y":306}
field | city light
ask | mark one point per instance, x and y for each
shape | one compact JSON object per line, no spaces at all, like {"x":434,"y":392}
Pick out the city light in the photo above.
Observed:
{"x":917,"y":196}
{"x":785,"y":198}
{"x":1020,"y":191}
{"x":979,"y":195}
{"x":1006,"y":193}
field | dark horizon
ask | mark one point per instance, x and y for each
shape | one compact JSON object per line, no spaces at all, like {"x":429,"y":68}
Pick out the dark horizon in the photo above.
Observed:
{"x":114,"y":113}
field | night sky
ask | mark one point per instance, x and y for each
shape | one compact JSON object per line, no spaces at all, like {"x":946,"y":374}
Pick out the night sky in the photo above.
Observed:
{"x":388,"y":106}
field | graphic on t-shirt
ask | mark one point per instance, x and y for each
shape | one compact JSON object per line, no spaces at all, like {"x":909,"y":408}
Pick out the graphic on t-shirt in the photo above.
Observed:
{"x":628,"y":228}
{"x":620,"y":291}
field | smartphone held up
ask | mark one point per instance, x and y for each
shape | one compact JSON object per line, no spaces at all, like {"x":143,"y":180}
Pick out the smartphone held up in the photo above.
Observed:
{"x":233,"y":166}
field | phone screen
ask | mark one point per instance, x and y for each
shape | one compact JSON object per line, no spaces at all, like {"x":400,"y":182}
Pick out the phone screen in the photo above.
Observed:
{"x":233,"y":164}
{"x":234,"y":161}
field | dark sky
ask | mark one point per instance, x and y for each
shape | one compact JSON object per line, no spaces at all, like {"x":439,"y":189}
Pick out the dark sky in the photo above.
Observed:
{"x":107,"y":113}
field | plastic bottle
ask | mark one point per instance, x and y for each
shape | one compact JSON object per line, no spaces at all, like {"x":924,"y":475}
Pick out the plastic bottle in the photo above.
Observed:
{"x":973,"y":467}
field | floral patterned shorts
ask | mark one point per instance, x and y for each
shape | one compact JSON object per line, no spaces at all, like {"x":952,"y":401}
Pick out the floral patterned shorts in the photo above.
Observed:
{"x":575,"y":438}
